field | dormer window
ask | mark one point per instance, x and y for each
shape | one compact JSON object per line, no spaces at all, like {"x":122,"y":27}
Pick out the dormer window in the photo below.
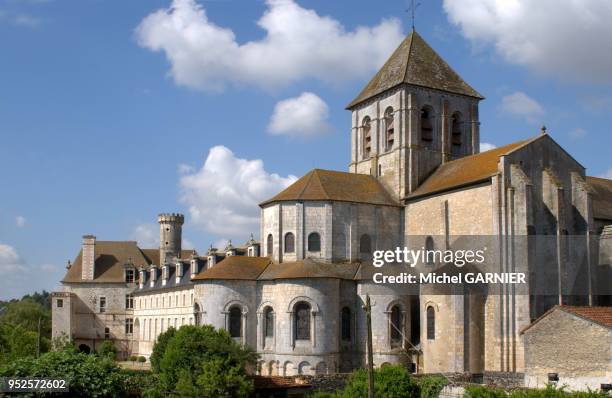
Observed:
{"x":130,"y":276}
{"x":389,"y":129}
{"x":367,"y":138}
{"x":426,"y":126}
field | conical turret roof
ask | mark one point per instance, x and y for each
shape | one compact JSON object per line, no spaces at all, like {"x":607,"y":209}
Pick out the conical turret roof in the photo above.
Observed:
{"x":415,"y":62}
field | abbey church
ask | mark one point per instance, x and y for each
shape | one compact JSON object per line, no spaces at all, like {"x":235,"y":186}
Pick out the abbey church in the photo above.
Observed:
{"x":296,"y":292}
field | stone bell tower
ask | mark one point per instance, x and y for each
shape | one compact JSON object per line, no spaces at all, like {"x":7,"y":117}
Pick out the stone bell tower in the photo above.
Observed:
{"x":415,"y":114}
{"x":170,"y":236}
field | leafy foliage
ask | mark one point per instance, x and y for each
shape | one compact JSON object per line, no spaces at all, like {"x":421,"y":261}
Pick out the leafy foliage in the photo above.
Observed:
{"x":392,"y":381}
{"x":430,"y":386}
{"x":159,"y":349}
{"x":108,"y":350}
{"x":551,"y":391}
{"x":204,"y":362}
{"x":87,"y":375}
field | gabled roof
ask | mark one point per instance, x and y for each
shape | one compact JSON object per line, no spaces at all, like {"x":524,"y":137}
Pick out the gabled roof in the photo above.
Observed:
{"x":467,"y":170}
{"x":415,"y":62}
{"x":602,"y":197}
{"x":337,"y":186}
{"x":111,"y":256}
{"x":600,"y":315}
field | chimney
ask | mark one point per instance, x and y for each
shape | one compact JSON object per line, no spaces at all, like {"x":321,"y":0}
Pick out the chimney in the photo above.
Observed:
{"x":88,"y":258}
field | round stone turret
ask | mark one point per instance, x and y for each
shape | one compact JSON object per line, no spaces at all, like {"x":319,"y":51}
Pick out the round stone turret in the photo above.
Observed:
{"x":170,"y":236}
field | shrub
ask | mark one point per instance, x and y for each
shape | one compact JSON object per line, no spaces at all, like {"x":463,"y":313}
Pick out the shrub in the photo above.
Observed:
{"x":142,"y":359}
{"x":87,"y":375}
{"x":133,"y":358}
{"x":551,"y":391}
{"x":108,"y":350}
{"x":430,"y":386}
{"x":391,"y":381}
{"x":159,"y":349}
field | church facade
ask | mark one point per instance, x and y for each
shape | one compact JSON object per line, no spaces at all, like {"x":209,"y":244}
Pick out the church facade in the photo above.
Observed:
{"x":416,"y":179}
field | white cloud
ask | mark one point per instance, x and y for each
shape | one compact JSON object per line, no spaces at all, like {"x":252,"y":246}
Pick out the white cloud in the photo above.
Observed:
{"x":298,"y":44}
{"x":520,"y":104}
{"x":577,"y":133}
{"x":223,"y":195}
{"x":485,"y":146}
{"x":147,"y":235}
{"x":304,"y":116}
{"x":10,"y":262}
{"x":20,"y":221}
{"x":567,"y":38}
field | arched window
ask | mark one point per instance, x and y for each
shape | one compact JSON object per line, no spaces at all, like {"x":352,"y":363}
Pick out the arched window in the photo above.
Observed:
{"x":196,"y":314}
{"x":269,"y":322}
{"x":365,"y":244}
{"x":426,"y":126}
{"x":289,"y":243}
{"x":367,"y":137}
{"x":314,"y":242}
{"x":235,"y":321}
{"x":429,"y":251}
{"x":389,"y":129}
{"x":431,"y":323}
{"x":302,"y":321}
{"x":270,"y":245}
{"x":346,"y":324}
{"x":456,"y":135}
{"x":397,"y":320}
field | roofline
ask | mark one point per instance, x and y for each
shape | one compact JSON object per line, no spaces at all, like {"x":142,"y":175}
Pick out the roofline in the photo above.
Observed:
{"x":268,"y":202}
{"x":352,"y":105}
{"x":480,"y":181}
{"x":567,"y":311}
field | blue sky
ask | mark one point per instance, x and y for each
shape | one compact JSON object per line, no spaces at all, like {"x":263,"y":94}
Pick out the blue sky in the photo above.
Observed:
{"x":112,"y":112}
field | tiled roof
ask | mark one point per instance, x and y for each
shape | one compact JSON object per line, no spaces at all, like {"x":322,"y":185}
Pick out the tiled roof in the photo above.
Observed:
{"x":171,"y":282}
{"x":599,"y":315}
{"x":111,"y":256}
{"x":278,"y":382}
{"x":338,"y":186}
{"x":602,"y":197}
{"x":153,"y":255}
{"x":415,"y":62}
{"x":235,"y":268}
{"x":309,"y":269}
{"x":467,"y":170}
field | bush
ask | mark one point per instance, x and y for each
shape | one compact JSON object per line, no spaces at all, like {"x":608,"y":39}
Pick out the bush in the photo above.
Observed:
{"x":108,"y":350}
{"x":142,"y":359}
{"x":159,"y":349}
{"x":550,"y":391}
{"x":430,"y":386}
{"x":132,"y":358}
{"x":87,"y":375}
{"x":391,"y":381}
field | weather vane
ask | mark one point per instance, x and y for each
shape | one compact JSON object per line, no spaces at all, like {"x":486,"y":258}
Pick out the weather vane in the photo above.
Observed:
{"x":412,"y":10}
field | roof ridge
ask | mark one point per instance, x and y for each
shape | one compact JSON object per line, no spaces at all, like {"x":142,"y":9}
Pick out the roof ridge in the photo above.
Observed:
{"x":310,"y":174}
{"x":411,"y":36}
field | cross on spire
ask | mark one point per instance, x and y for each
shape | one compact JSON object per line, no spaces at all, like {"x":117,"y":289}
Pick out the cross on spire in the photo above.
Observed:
{"x":412,"y":9}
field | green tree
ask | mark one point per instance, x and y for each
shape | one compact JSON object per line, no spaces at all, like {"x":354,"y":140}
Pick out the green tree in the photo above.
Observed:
{"x":17,"y":342}
{"x":202,"y":359}
{"x":159,"y":349}
{"x":87,"y":375}
{"x":26,"y":313}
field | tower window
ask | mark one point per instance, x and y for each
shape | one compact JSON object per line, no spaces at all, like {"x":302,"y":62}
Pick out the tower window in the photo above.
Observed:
{"x":365,"y":244}
{"x":367,"y":137}
{"x":235,"y":322}
{"x":431,"y":323}
{"x":289,"y":243}
{"x":346,"y":324}
{"x":429,"y":251}
{"x":302,"y":321}
{"x":389,"y":129}
{"x":270,"y":245}
{"x":314,"y":242}
{"x":102,"y":304}
{"x":60,"y":303}
{"x":426,"y":126}
{"x":456,"y":135}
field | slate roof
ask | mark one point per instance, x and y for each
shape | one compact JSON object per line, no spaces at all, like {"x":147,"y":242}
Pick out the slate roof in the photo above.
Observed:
{"x":309,"y":269}
{"x":340,"y":186}
{"x":415,"y":62}
{"x":185,"y":280}
{"x":111,"y":256}
{"x":235,"y":268}
{"x":602,"y":197}
{"x":466,"y":170}
{"x":600,"y":315}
